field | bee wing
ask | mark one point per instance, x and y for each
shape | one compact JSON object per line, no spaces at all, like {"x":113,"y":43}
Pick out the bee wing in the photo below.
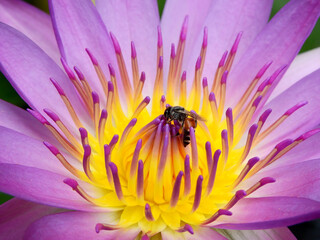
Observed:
{"x":195,"y":116}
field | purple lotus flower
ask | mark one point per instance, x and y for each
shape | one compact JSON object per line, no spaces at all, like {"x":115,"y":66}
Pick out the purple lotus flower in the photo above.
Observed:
{"x":96,"y":157}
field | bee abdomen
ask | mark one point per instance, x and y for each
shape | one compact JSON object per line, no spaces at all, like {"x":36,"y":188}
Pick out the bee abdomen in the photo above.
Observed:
{"x":186,"y":137}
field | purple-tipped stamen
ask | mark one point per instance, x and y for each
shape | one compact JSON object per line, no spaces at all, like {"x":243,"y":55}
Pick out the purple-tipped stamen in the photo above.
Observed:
{"x":173,"y":51}
{"x":209,"y":156}
{"x":107,"y":160}
{"x":52,"y":115}
{"x":38,"y":116}
{"x":263,"y":70}
{"x":187,"y":177}
{"x":114,"y":141}
{"x":107,"y":227}
{"x":95,"y":98}
{"x":184,"y":28}
{"x":198,"y":63}
{"x":307,"y":135}
{"x":259,"y":184}
{"x":116,"y":44}
{"x":214,"y":217}
{"x":194,"y":149}
{"x":135,"y":158}
{"x":92,"y":57}
{"x":68,"y":70}
{"x":164,"y":152}
{"x":116,"y":180}
{"x":86,"y":161}
{"x":205,"y":37}
{"x":213,"y":171}
{"x":111,"y":70}
{"x":224,"y":77}
{"x":79,"y":73}
{"x":251,"y":135}
{"x":133,"y":50}
{"x":236,"y":44}
{"x":295,"y":108}
{"x":239,"y":195}
{"x":245,"y":170}
{"x":140,"y":181}
{"x":223,"y":59}
{"x":197,"y":195}
{"x":186,"y":228}
{"x":229,"y":119}
{"x":148,"y":213}
{"x":84,"y":136}
{"x":176,"y":190}
{"x":127,"y":130}
{"x":225,"y":145}
{"x":58,"y":87}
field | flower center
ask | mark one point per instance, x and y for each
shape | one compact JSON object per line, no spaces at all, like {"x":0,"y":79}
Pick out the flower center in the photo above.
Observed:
{"x":160,"y":170}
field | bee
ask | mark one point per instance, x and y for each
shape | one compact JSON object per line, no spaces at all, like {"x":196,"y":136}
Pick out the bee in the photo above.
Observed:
{"x":185,"y":119}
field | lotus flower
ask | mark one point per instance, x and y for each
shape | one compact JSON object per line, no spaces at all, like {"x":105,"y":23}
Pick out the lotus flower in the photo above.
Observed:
{"x":96,"y":158}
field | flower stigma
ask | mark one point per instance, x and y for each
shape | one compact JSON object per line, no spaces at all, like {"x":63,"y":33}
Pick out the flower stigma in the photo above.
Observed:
{"x":136,"y":160}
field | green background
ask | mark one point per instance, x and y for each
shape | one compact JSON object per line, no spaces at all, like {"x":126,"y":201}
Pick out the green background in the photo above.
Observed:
{"x":8,"y":94}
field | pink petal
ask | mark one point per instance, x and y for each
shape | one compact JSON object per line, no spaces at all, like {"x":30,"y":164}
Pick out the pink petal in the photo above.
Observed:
{"x":269,"y":212}
{"x":292,"y":180}
{"x":32,"y":22}
{"x":304,"y":119}
{"x":224,"y":19}
{"x":20,"y":149}
{"x":268,"y":234}
{"x":17,"y":215}
{"x":21,"y":121}
{"x":78,"y":26}
{"x":28,"y":69}
{"x":41,"y":186}
{"x":279,"y":41}
{"x":136,"y":21}
{"x":77,"y":226}
{"x":304,"y":64}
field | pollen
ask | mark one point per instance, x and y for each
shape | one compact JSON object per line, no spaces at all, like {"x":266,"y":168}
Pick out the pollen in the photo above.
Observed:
{"x":137,"y":162}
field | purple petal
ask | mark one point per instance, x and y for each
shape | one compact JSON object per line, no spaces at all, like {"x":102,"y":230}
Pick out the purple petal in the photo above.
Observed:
{"x":302,"y":65}
{"x":224,"y":19}
{"x":18,"y":214}
{"x":28,"y":69}
{"x":41,"y":186}
{"x":77,"y":226}
{"x":304,"y":119}
{"x":136,"y":21}
{"x":73,"y":23}
{"x":20,"y":149}
{"x":33,"y":23}
{"x":21,"y":121}
{"x":269,"y":212}
{"x":279,"y":41}
{"x":274,"y":234}
{"x":293,"y":180}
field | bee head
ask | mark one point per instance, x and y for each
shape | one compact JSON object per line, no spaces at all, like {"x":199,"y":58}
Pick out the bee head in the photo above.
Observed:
{"x":167,"y":112}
